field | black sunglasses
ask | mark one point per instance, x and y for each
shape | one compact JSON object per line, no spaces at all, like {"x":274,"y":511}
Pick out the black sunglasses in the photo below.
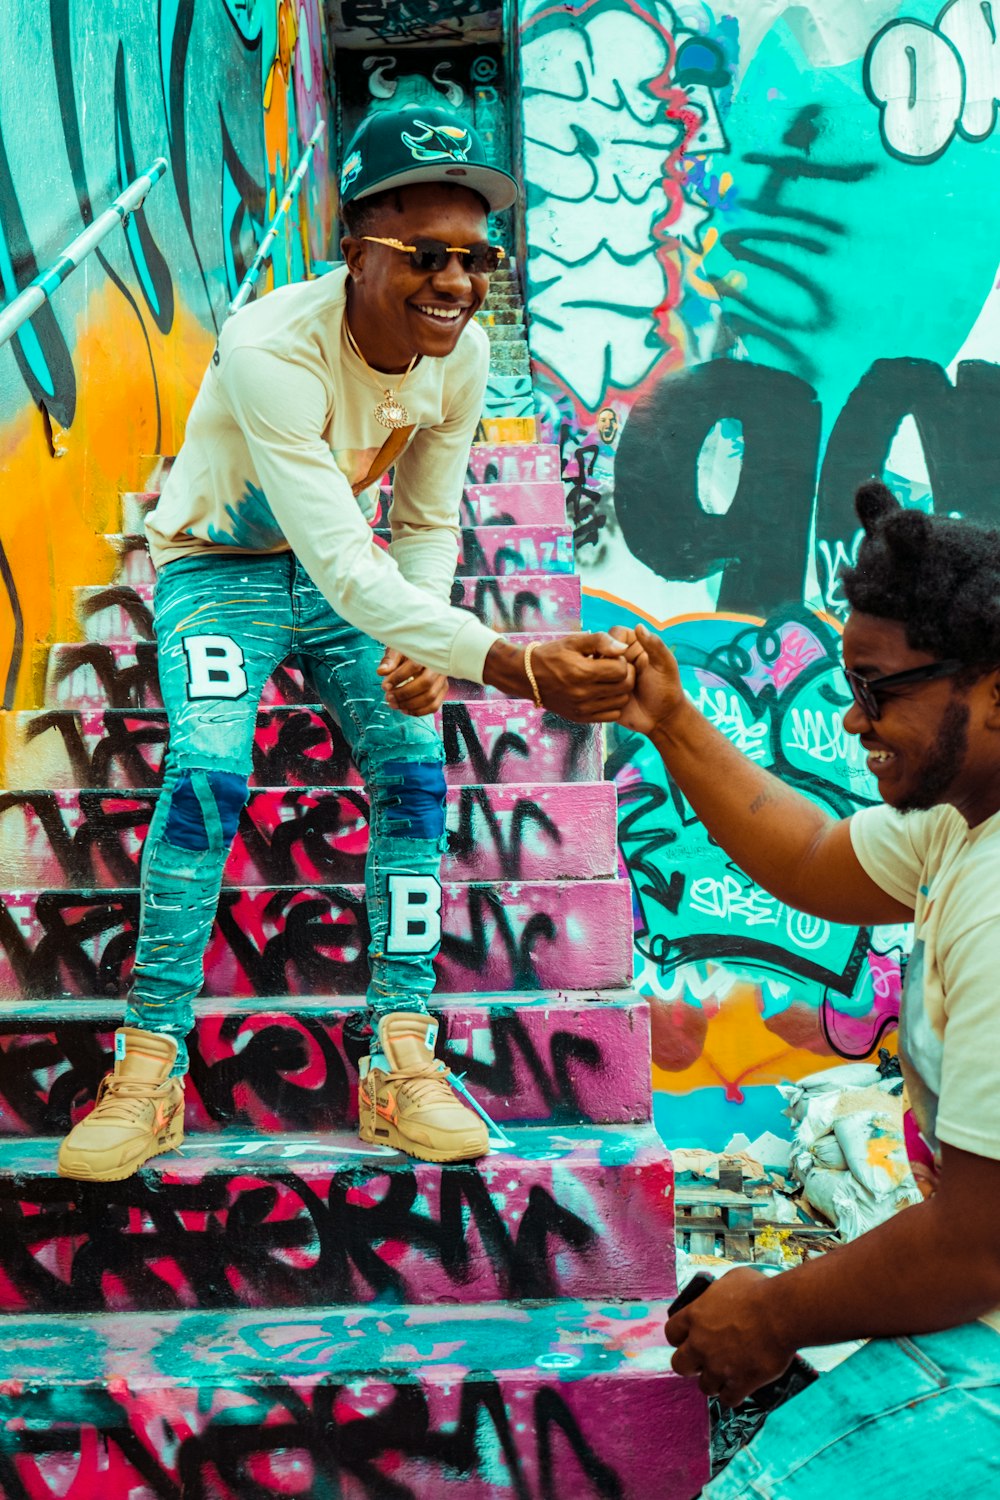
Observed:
{"x":433,"y":255}
{"x":868,"y":690}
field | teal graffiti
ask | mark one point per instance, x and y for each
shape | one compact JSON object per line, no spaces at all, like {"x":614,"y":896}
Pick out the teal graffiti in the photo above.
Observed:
{"x":775,"y":690}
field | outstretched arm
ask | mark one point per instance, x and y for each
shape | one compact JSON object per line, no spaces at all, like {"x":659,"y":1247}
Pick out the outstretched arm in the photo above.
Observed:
{"x":780,"y":838}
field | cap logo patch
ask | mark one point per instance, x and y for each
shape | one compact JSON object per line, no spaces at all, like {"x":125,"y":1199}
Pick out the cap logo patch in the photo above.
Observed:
{"x":438,"y":142}
{"x":352,"y":166}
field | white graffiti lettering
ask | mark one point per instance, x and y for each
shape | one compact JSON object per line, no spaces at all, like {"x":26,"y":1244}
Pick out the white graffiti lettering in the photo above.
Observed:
{"x":933,"y":82}
{"x":730,"y":899}
{"x":596,"y":138}
{"x":726,"y":713}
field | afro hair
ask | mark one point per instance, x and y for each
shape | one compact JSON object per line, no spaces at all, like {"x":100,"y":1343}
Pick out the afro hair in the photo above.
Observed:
{"x":938,"y":576}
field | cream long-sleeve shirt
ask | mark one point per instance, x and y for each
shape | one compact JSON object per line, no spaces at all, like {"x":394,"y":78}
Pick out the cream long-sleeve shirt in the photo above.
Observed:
{"x":284,"y":423}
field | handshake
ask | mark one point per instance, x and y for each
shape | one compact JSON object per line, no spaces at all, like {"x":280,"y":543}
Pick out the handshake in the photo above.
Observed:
{"x":624,"y":676}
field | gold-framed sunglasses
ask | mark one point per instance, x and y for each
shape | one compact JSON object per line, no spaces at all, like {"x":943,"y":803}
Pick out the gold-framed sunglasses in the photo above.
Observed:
{"x":433,"y":255}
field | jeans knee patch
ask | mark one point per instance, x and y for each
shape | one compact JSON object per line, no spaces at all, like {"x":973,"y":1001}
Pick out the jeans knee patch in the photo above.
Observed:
{"x":185,"y":826}
{"x":417,"y":810}
{"x":230,"y":793}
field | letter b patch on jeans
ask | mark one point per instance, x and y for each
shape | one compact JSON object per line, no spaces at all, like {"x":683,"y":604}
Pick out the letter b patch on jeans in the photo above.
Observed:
{"x":215,"y":667}
{"x":414,"y":914}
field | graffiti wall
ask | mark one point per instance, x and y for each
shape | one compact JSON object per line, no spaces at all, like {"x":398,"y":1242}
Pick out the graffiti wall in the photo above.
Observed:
{"x":761,"y":267}
{"x":101,"y":380}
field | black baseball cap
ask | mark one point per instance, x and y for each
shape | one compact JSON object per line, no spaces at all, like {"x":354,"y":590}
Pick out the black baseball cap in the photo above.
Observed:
{"x":394,"y":147}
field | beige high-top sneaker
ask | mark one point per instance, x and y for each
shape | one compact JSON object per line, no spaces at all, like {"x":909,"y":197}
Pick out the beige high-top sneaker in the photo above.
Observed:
{"x":405,"y":1100}
{"x":139,"y":1111}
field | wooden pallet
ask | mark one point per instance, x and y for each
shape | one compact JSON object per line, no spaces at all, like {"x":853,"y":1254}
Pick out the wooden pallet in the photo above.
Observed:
{"x":707,"y":1213}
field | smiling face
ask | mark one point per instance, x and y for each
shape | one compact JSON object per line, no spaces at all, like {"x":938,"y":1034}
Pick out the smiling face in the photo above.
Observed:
{"x":395,"y":311}
{"x":934,"y":741}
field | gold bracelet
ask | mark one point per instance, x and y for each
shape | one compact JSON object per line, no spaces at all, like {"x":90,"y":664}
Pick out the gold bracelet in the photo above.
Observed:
{"x":530,"y":674}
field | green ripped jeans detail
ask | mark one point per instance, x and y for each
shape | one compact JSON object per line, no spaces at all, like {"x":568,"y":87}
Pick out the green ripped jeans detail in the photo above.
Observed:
{"x":223,"y":624}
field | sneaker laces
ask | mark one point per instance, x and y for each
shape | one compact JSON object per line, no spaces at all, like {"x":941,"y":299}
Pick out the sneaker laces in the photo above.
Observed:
{"x":424,"y":1083}
{"x":124,"y":1098}
{"x":427,"y":1083}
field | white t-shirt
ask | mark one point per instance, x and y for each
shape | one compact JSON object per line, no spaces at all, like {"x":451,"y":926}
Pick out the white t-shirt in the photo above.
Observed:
{"x":949,"y":1028}
{"x":284,"y":424}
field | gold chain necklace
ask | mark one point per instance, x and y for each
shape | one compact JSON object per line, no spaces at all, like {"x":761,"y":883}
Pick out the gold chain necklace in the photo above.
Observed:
{"x":390,"y":411}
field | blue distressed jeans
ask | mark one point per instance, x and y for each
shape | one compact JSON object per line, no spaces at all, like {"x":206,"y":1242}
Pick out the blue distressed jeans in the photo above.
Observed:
{"x":222,"y":625}
{"x":904,"y":1419}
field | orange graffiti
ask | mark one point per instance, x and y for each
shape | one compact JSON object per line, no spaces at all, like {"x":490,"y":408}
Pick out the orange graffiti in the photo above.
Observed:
{"x":58,"y":509}
{"x":739,"y":1049}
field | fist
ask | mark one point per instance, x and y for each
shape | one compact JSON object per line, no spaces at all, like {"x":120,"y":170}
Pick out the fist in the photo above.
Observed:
{"x":409,"y":687}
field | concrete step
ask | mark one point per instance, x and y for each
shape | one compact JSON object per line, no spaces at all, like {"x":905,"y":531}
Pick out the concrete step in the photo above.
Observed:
{"x":475,"y":1402}
{"x":267,"y":1066}
{"x":515,"y":504}
{"x":498,"y":936}
{"x":509,"y":396}
{"x":505,"y":333}
{"x":75,"y":839}
{"x":495,"y":314}
{"x":318,"y":1219}
{"x":507,"y":359}
{"x":507,"y":429}
{"x":509,"y":463}
{"x":483,"y":550}
{"x":523,"y":602}
{"x":89,"y":675}
{"x":497,"y":740}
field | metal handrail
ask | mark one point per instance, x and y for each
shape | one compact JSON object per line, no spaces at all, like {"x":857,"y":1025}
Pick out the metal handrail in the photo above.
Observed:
{"x":30,"y":298}
{"x":246,"y":286}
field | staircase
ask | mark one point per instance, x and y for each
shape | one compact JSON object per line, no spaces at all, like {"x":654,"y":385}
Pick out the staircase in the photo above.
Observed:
{"x":282,"y":1310}
{"x":509,"y":395}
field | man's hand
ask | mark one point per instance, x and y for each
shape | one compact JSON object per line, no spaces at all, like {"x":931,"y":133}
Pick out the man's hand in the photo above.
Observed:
{"x":409,"y":687}
{"x":727,"y":1338}
{"x":583,"y":677}
{"x":658,"y":693}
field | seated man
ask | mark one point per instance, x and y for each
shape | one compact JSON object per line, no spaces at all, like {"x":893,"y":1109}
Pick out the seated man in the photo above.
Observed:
{"x":263,"y":547}
{"x":916,"y":1412}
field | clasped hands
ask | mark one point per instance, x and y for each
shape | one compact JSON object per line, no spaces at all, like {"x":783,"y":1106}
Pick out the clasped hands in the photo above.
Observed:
{"x":620,"y":676}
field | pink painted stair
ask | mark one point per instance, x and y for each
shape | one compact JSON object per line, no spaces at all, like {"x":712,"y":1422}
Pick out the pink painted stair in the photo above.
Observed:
{"x":498,"y":935}
{"x":533,"y":1400}
{"x":320,"y":1219}
{"x":300,"y":835}
{"x":477,"y":1330}
{"x":498,"y":740}
{"x":552,"y":1058}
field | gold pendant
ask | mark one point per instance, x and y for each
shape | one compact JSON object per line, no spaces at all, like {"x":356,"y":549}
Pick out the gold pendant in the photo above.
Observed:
{"x":391,"y":412}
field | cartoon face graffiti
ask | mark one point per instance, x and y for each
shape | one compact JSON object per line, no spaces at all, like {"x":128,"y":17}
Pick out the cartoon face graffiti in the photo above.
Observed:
{"x":596,"y":137}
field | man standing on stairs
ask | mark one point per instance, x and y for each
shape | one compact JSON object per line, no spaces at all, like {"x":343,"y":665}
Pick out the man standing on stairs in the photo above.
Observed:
{"x":916,"y":1411}
{"x":263,"y":547}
